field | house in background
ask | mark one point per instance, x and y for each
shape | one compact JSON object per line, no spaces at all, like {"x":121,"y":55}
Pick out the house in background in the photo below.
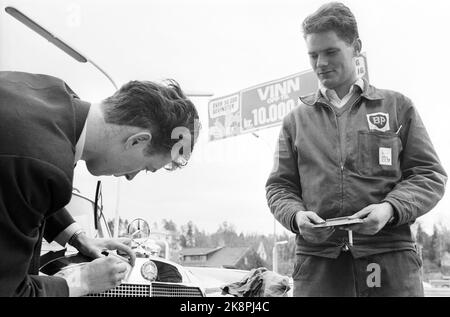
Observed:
{"x":222,"y":257}
{"x":261,"y":250}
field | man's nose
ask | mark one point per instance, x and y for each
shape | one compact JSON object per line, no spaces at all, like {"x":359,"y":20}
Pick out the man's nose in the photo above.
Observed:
{"x":321,"y":61}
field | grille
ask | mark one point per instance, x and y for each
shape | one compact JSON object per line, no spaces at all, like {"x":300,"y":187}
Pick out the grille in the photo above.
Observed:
{"x":153,"y":290}
{"x":126,"y":290}
{"x":173,"y":290}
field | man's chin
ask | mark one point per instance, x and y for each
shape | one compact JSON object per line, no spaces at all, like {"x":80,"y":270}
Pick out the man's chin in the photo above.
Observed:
{"x":94,"y":171}
{"x":328,"y":83}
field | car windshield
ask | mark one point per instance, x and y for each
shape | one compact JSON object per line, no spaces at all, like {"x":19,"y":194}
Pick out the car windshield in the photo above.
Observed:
{"x":82,"y":211}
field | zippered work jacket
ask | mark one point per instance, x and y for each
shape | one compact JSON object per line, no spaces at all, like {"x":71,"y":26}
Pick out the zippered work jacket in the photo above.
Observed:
{"x":388,"y":158}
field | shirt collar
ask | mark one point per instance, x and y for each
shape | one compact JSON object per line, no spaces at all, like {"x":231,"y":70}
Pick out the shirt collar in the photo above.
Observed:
{"x":369,"y":92}
{"x":326,"y":92}
{"x":80,"y":144}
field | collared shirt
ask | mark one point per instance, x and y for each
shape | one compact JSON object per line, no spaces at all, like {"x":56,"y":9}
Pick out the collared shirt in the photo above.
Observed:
{"x":67,"y":233}
{"x":80,"y":145}
{"x":331,"y":96}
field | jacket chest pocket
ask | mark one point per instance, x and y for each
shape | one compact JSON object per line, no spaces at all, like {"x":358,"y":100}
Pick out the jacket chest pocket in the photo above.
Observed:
{"x":379,"y":153}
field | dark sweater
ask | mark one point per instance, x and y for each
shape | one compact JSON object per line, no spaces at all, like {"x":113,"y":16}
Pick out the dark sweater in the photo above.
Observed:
{"x":41,"y":120}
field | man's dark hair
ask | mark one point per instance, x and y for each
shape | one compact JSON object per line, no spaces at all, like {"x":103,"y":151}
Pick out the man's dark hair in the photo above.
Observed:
{"x":333,"y":16}
{"x":160,"y":108}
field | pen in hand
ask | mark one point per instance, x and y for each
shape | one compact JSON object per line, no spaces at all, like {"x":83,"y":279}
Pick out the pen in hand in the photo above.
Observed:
{"x":107,"y":253}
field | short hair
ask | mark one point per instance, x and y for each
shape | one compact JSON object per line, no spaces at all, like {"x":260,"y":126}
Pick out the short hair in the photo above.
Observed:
{"x":333,"y":16}
{"x":161,"y":108}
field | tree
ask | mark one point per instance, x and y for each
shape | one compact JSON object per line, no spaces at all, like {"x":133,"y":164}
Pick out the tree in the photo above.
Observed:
{"x":435,"y":247}
{"x":187,"y":238}
{"x":183,"y":241}
{"x":169,"y":225}
{"x":202,"y":240}
{"x":445,"y":234}
{"x":123,"y":226}
{"x":421,"y":236}
{"x":226,"y":235}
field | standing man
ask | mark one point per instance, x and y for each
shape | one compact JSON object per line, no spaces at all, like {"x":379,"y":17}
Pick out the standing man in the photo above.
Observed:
{"x":44,"y":129}
{"x":352,"y":150}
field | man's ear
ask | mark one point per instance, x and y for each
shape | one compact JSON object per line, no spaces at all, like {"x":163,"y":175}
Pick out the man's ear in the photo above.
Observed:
{"x":357,"y":46}
{"x":137,"y":139}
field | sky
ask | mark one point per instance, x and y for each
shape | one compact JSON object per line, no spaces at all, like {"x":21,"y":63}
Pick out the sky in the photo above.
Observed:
{"x":221,"y":47}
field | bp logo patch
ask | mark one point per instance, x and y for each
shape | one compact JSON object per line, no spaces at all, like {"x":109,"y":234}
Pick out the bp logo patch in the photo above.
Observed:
{"x":378,"y":121}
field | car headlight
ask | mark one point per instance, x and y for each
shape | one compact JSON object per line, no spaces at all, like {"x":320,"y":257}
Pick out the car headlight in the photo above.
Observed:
{"x":149,"y":271}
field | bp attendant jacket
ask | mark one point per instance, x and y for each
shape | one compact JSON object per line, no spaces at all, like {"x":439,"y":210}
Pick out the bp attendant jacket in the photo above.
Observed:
{"x":389,"y":158}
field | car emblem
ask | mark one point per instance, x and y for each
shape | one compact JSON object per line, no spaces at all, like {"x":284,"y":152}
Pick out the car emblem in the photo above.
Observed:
{"x":149,"y":271}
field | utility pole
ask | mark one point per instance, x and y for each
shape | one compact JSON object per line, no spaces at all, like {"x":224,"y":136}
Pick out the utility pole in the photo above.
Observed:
{"x":275,"y":255}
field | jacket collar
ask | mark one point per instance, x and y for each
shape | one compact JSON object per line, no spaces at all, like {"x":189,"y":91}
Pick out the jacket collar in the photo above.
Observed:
{"x":370,"y":93}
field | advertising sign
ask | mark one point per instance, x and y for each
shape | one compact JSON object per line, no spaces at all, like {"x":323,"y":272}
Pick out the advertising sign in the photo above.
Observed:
{"x":265,"y":105}
{"x":224,"y":117}
{"x":259,"y":107}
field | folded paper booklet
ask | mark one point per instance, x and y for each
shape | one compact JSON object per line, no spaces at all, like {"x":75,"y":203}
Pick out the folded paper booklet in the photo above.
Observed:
{"x":341,"y":221}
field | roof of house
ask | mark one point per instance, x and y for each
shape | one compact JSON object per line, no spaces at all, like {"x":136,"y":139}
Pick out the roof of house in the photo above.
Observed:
{"x":199,"y":251}
{"x":216,"y":257}
{"x":227,"y":257}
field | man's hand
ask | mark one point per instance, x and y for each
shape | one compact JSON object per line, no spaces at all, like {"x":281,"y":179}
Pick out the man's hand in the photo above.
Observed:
{"x":375,"y":218}
{"x":94,"y":247}
{"x":97,"y":276}
{"x":305,"y":221}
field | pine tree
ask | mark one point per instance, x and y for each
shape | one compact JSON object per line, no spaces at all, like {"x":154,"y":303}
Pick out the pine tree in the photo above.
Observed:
{"x":421,"y":236}
{"x":190,"y":238}
{"x":435,"y":247}
{"x":169,"y":225}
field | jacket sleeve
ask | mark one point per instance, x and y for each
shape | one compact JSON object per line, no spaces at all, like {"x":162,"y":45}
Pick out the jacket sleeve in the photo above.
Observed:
{"x":283,"y":189}
{"x":39,"y":286}
{"x":29,"y":190}
{"x":56,"y":223}
{"x":423,"y":177}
